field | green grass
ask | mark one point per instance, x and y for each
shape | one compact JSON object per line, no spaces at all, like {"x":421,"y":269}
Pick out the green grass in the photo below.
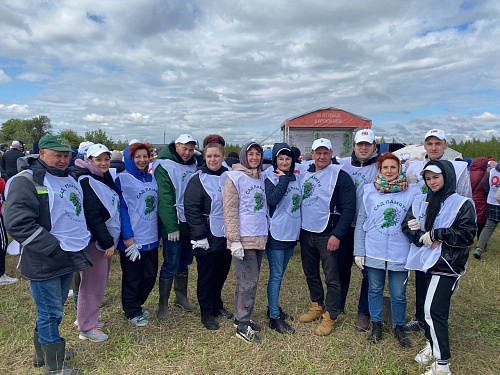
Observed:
{"x":183,"y":346}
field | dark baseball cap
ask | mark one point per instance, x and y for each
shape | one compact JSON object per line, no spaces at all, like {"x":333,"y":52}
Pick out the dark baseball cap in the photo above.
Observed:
{"x":55,"y":143}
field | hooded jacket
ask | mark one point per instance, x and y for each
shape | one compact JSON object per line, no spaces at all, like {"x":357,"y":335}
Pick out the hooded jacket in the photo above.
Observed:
{"x":231,"y":202}
{"x":275,"y":193}
{"x":478,"y":178}
{"x":167,"y":212}
{"x":456,"y":239}
{"x":28,"y":220}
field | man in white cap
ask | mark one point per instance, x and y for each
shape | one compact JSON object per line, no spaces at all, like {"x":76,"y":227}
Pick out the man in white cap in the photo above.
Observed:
{"x":9,"y":160}
{"x":435,"y":145}
{"x":362,"y":167}
{"x":328,"y":208}
{"x":172,"y":170}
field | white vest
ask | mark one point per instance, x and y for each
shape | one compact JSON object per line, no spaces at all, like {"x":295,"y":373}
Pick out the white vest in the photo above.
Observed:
{"x":317,"y":189}
{"x":285,"y":222}
{"x":110,"y":199}
{"x":423,"y":258}
{"x":179,"y":175}
{"x":252,"y":207}
{"x":213,"y":186}
{"x":142,"y":204}
{"x":384,"y":239}
{"x":494,"y":185}
{"x":361,"y":176}
{"x":416,"y":166}
{"x":66,"y":212}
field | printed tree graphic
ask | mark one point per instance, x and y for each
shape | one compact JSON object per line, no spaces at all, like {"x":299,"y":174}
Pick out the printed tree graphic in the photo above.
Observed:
{"x":295,"y":202}
{"x":425,"y":189}
{"x":259,"y":202}
{"x":308,"y":189}
{"x":150,"y":204}
{"x":390,"y":218}
{"x":78,"y":206}
{"x":356,"y":183}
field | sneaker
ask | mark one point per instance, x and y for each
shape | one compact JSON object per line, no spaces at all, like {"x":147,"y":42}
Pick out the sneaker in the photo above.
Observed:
{"x":400,"y":334}
{"x":283,"y":315}
{"x":252,"y":324}
{"x":413,"y":325}
{"x":245,"y":332}
{"x":93,"y":335}
{"x":6,"y":280}
{"x":281,"y":326}
{"x":145,"y":313}
{"x":434,"y":370}
{"x":139,"y":321}
{"x":100,"y":325}
{"x":425,"y":355}
{"x":478,"y":253}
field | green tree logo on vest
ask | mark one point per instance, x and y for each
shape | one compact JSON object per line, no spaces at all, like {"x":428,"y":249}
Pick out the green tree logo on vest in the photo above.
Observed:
{"x":356,"y":183}
{"x":425,"y":189}
{"x":73,"y":198}
{"x":295,"y":202}
{"x":308,"y":190}
{"x":259,"y":202}
{"x":391,"y":216}
{"x":150,"y":204}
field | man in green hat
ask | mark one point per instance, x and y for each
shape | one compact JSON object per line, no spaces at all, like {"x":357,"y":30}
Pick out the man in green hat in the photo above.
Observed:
{"x":44,"y":213}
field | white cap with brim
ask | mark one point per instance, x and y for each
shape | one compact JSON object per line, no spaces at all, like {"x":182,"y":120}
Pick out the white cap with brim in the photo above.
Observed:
{"x":364,"y":135}
{"x":321,"y":142}
{"x":134,"y":141}
{"x":432,"y":168}
{"x":438,"y":133}
{"x":84,"y":146}
{"x":185,"y":138}
{"x":96,"y":150}
{"x":16,"y":144}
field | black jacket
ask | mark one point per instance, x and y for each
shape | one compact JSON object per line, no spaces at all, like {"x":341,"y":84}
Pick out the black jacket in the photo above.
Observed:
{"x":27,"y":219}
{"x":9,"y":161}
{"x":119,"y":165}
{"x":197,"y":208}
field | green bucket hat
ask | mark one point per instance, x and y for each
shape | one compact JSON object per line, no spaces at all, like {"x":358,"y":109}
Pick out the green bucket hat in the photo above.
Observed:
{"x":54,"y":142}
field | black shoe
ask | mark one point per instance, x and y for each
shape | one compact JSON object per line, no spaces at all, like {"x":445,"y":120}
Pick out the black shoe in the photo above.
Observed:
{"x":413,"y":325}
{"x":224,"y":313}
{"x":400,"y":334}
{"x":281,"y":326}
{"x":209,"y":322}
{"x":283,"y":315}
{"x":251,"y":323}
{"x":245,"y":332}
{"x":376,"y":334}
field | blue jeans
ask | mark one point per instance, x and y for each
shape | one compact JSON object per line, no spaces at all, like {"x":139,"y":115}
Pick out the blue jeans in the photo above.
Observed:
{"x":278,"y":261}
{"x":177,"y":256}
{"x":49,"y":296}
{"x":397,"y":291}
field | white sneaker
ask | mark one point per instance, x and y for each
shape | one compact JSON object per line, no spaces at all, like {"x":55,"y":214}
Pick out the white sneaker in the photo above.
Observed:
{"x":93,"y":335}
{"x":433,"y":370}
{"x":6,"y":280}
{"x":100,"y":325}
{"x":70,"y":293}
{"x":425,"y":355}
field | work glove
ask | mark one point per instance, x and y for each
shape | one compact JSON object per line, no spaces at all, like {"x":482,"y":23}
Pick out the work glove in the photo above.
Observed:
{"x":414,"y":224}
{"x":360,"y":262}
{"x":237,"y":250}
{"x":200,"y":244}
{"x":412,"y":179}
{"x":426,"y":239}
{"x":174,"y":236}
{"x":133,"y":252}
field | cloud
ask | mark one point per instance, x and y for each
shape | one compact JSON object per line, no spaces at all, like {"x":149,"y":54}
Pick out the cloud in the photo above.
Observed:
{"x":4,"y":78}
{"x":487,"y":117}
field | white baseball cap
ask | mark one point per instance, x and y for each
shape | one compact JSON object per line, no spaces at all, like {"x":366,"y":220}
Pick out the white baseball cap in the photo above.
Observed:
{"x":321,"y":142}
{"x":364,"y":135}
{"x":438,"y":133}
{"x":185,"y":138}
{"x":84,"y":146}
{"x":97,"y":149}
{"x":432,"y":168}
{"x":15,"y":144}
{"x":134,"y":141}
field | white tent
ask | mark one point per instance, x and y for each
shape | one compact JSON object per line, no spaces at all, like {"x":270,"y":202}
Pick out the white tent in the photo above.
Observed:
{"x":418,"y":151}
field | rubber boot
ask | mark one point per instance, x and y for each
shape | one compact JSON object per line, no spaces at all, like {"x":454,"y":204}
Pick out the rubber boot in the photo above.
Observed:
{"x":181,"y":299}
{"x":38,"y":360}
{"x":165,"y":286}
{"x":53,"y":354}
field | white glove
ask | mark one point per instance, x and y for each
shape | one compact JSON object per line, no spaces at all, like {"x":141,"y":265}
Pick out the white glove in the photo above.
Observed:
{"x":237,"y":250}
{"x":200,"y":244}
{"x":414,"y":224}
{"x":426,"y":239}
{"x":412,"y":179}
{"x":174,"y":236}
{"x":133,"y":252}
{"x":360,"y":262}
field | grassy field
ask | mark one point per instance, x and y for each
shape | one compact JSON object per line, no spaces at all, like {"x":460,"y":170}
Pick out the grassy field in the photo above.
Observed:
{"x":183,"y":346}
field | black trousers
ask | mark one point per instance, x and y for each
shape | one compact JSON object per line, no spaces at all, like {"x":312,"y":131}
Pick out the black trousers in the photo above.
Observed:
{"x":421,"y":282}
{"x":3,"y":245}
{"x":138,"y":280}
{"x":213,"y":269}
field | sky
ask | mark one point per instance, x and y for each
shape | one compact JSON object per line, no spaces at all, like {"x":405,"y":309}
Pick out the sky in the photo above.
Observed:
{"x":154,"y":69}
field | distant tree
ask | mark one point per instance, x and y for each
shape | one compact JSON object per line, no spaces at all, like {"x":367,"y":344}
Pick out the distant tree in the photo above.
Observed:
{"x":9,"y":129}
{"x":72,"y":137}
{"x":120,"y":145}
{"x":99,"y":136}
{"x":39,"y":127}
{"x":230,"y":148}
{"x":28,"y":130}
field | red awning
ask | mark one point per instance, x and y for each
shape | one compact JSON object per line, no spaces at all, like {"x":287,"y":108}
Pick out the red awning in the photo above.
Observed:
{"x":328,"y":118}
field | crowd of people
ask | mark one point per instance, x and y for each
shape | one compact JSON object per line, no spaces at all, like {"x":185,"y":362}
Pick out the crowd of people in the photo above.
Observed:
{"x":367,"y":209}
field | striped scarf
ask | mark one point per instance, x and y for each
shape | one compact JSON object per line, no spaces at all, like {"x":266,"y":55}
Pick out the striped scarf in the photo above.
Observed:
{"x":386,"y":187}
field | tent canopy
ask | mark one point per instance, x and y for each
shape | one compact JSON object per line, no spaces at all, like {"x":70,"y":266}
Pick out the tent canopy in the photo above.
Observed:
{"x":418,"y":151}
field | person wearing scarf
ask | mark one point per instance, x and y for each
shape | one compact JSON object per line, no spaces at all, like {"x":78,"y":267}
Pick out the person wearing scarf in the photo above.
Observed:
{"x":381,"y":248}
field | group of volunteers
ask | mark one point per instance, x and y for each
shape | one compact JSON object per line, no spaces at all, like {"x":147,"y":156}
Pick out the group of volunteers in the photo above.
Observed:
{"x":360,"y":209}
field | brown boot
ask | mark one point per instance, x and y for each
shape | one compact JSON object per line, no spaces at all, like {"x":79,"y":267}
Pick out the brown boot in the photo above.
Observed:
{"x":326,"y":326}
{"x":315,"y":312}
{"x":363,"y":323}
